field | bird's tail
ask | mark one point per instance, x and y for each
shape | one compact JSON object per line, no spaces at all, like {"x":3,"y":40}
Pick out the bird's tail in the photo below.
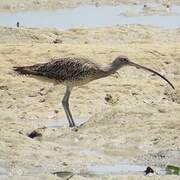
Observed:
{"x":25,"y":70}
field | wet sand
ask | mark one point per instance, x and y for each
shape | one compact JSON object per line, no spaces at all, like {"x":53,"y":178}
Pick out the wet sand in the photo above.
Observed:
{"x":130,"y":117}
{"x":139,"y":124}
{"x":23,"y":5}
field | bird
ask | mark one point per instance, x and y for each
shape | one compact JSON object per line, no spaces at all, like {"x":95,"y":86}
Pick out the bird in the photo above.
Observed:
{"x":77,"y":71}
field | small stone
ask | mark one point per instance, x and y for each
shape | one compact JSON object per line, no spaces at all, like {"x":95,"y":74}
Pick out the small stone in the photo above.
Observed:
{"x":64,"y":164}
{"x":42,"y":100}
{"x":57,"y":148}
{"x":64,"y":174}
{"x":42,"y":89}
{"x":34,"y":134}
{"x":56,"y":111}
{"x":20,"y":132}
{"x":108,"y":97}
{"x":57,"y":41}
{"x":9,"y":106}
{"x":148,"y":170}
{"x":32,"y":95}
{"x":40,"y":93}
{"x":162,"y":110}
{"x":111,"y":100}
{"x":134,"y":93}
{"x":167,"y":62}
{"x":75,"y":129}
{"x":4,"y":88}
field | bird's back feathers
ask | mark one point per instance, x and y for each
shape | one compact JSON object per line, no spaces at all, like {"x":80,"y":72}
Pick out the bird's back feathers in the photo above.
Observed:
{"x":63,"y":69}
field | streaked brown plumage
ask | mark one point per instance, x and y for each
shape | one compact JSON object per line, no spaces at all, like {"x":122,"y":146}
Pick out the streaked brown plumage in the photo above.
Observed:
{"x":77,"y":71}
{"x":68,"y":71}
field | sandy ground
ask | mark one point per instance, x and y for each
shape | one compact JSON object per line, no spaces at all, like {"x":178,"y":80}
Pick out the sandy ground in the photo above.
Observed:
{"x":21,"y":5}
{"x":138,"y":124}
{"x":131,"y":117}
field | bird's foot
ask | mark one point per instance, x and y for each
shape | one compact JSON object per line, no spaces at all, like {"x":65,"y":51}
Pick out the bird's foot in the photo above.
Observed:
{"x":74,"y":128}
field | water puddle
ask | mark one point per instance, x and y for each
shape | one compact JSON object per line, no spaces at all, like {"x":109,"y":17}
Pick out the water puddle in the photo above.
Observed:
{"x":3,"y":171}
{"x":96,"y":171}
{"x":121,"y":169}
{"x":92,"y":16}
{"x":56,"y":121}
{"x":113,"y":170}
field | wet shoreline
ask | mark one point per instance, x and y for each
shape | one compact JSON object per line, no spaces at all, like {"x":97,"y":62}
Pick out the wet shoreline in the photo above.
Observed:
{"x":82,"y":16}
{"x":130,"y":117}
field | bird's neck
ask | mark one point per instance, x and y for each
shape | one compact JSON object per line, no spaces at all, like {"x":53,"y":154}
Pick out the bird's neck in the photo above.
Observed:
{"x":110,"y":69}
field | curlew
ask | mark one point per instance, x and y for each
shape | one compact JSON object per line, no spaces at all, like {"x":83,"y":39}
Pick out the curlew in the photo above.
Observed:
{"x":78,"y":71}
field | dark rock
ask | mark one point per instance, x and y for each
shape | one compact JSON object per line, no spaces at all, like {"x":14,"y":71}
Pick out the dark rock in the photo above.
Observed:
{"x":34,"y":134}
{"x":148,"y":170}
{"x":57,"y":41}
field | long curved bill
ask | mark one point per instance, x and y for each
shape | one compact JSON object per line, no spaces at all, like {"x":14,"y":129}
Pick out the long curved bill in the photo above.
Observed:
{"x":143,"y":67}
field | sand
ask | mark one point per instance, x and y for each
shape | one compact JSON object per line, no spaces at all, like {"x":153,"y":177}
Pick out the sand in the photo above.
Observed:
{"x":137,"y":124}
{"x":130,"y":117}
{"x":23,"y":5}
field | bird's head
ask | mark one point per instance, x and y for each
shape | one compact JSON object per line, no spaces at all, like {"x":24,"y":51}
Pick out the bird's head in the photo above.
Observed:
{"x":121,"y":61}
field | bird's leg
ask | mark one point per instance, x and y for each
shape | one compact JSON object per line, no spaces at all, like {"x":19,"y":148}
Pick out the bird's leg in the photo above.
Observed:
{"x":65,"y":103}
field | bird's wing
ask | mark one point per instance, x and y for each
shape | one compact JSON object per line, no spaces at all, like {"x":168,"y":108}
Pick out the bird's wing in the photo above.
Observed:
{"x":61,"y":69}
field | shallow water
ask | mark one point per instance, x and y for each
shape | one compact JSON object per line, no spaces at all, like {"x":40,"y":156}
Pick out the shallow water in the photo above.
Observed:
{"x":92,"y":16}
{"x":89,"y":171}
{"x":113,"y":170}
{"x":3,"y":171}
{"x":121,"y":169}
{"x":59,"y":122}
